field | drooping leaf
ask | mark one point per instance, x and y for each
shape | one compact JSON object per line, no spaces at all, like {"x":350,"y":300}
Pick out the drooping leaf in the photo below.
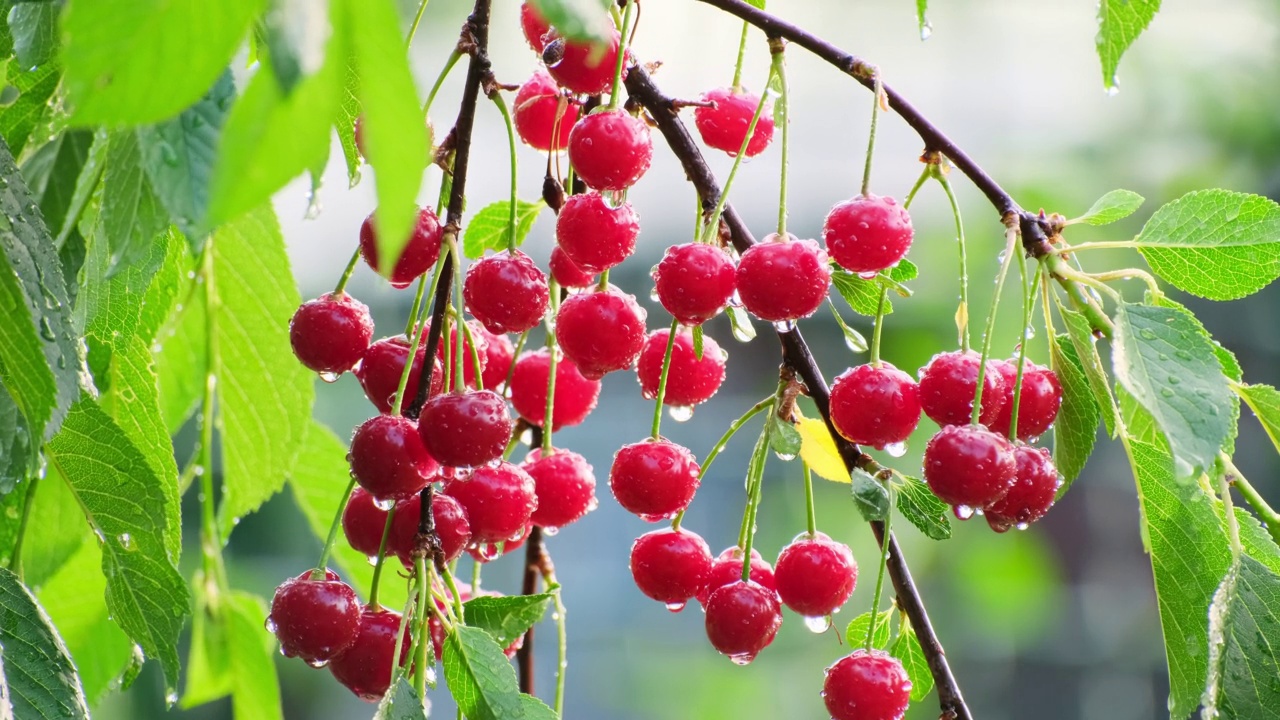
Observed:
{"x":784,"y":439}
{"x":1115,"y":205}
{"x":19,"y":119}
{"x":1120,"y":22}
{"x":1076,"y":429}
{"x":132,"y":215}
{"x":34,"y":27}
{"x":348,"y":114}
{"x":819,"y":451}
{"x":295,"y":34}
{"x":1216,"y":244}
{"x":1082,"y":339}
{"x":863,"y":295}
{"x":906,"y":647}
{"x":86,"y":182}
{"x":740,"y":321}
{"x":1244,"y":669}
{"x":16,"y":450}
{"x":255,"y":689}
{"x":480,"y":677}
{"x":582,"y":20}
{"x":856,"y":632}
{"x":922,"y":7}
{"x":488,"y":229}
{"x":853,"y":339}
{"x":401,"y":703}
{"x":1170,"y":368}
{"x":55,"y":529}
{"x":143,"y":61}
{"x":207,"y":675}
{"x":1264,"y":401}
{"x":922,"y":508}
{"x":53,"y":172}
{"x":870,"y":496}
{"x":506,"y":618}
{"x":41,"y":680}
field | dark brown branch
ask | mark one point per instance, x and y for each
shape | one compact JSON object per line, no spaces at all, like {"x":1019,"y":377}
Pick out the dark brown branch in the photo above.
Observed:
{"x":797,"y":356}
{"x":533,"y":559}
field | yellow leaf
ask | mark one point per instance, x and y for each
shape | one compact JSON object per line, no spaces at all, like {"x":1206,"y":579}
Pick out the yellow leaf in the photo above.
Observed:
{"x":819,"y":450}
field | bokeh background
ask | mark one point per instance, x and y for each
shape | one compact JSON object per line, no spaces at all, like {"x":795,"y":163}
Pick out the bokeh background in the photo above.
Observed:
{"x":1058,"y":622}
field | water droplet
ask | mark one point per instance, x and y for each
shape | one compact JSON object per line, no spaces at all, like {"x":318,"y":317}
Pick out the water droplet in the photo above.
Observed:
{"x":1113,"y":89}
{"x":676,"y":607}
{"x":317,"y":663}
{"x":126,"y":541}
{"x":330,"y":377}
{"x":1147,"y":334}
{"x":1166,"y":392}
{"x":170,"y":699}
{"x":962,"y":512}
{"x":548,"y":531}
{"x":742,"y":658}
{"x":926,"y":30}
{"x":46,"y":330}
{"x":384,"y":504}
{"x":897,"y":449}
{"x":818,"y":625}
{"x":1174,"y":379}
{"x":680,"y":413}
{"x":785,"y":457}
{"x":784,"y":326}
{"x":168,"y":155}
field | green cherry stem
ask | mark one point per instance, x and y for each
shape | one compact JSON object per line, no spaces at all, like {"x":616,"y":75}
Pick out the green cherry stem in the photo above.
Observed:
{"x":346,"y":274}
{"x":716,"y":449}
{"x":1266,"y":513}
{"x":332,"y":538}
{"x":780,"y":72}
{"x":421,"y":633}
{"x":755,"y":484}
{"x":414,"y":333}
{"x":1010,"y":248}
{"x":211,"y":540}
{"x":742,"y":54}
{"x":871,"y":139}
{"x":472,"y":351}
{"x":444,"y":73}
{"x":810,"y":514}
{"x":875,"y":597}
{"x":713,"y":223}
{"x":662,"y":380}
{"x":911,"y":196}
{"x":417,"y":19}
{"x":453,"y":590}
{"x":936,"y":171}
{"x":548,"y":419}
{"x":603,"y":283}
{"x":458,"y":384}
{"x":382,"y":558}
{"x":1028,"y":310}
{"x":515,"y":355}
{"x":615,"y":94}
{"x":511,"y":149}
{"x":879,"y":326}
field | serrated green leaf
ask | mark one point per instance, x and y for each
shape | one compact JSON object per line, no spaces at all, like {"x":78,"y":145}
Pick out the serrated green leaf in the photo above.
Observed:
{"x":16,"y":451}
{"x":784,"y":439}
{"x":179,"y":155}
{"x":143,"y":61}
{"x":255,"y":689}
{"x":1163,"y":360}
{"x":1120,"y":22}
{"x":37,"y":671}
{"x":1264,"y":401}
{"x":1076,"y":429}
{"x":292,"y":37}
{"x":870,"y":496}
{"x":488,"y":229}
{"x":480,"y":677}
{"x":129,"y":511}
{"x":20,"y":118}
{"x":55,"y":530}
{"x":581,"y":20}
{"x":208,"y":669}
{"x":34,"y":27}
{"x":697,"y":344}
{"x":53,"y":181}
{"x":179,"y":347}
{"x":86,"y":182}
{"x":1082,"y":339}
{"x":1243,"y":640}
{"x":856,"y":632}
{"x":132,"y":215}
{"x":863,"y":295}
{"x":401,"y":703}
{"x":535,"y":709}
{"x":906,"y":647}
{"x":348,"y":113}
{"x":506,"y":618}
{"x":1216,"y":244}
{"x":1115,"y":205}
{"x":922,"y":508}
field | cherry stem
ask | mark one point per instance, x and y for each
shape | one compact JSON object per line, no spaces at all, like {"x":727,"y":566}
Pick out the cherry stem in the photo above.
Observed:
{"x":936,"y":171}
{"x":1028,"y":309}
{"x":875,"y":597}
{"x":211,"y":538}
{"x":624,"y":42}
{"x":1269,"y":516}
{"x":716,"y":449}
{"x":459,"y":385}
{"x":414,"y":333}
{"x":346,"y":274}
{"x":871,"y":136}
{"x":331,"y":539}
{"x":1010,"y":247}
{"x":603,"y":283}
{"x":879,"y":326}
{"x":398,"y":669}
{"x":811,"y":514}
{"x":713,"y":224}
{"x":382,"y":558}
{"x":413,"y":29}
{"x":915,"y":189}
{"x":562,"y":639}
{"x":742,"y":54}
{"x":755,"y":483}
{"x":779,"y":66}
{"x":454,"y":57}
{"x":662,"y":380}
{"x":421,"y":630}
{"x":548,"y":417}
{"x":472,"y":351}
{"x":515,"y":355}
{"x":1233,"y":524}
{"x":496,"y":97}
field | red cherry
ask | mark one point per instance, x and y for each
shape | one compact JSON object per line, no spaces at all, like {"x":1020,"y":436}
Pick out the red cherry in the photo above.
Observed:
{"x":593,"y":234}
{"x":466,"y":429}
{"x":875,"y":406}
{"x":723,"y":125}
{"x":670,"y":566}
{"x":968,"y":466}
{"x":314,"y":619}
{"x":499,"y":353}
{"x":1034,"y":489}
{"x":1038,"y":405}
{"x":727,"y":567}
{"x":601,"y":331}
{"x":654,"y":479}
{"x":783,"y":280}
{"x":815,"y":575}
{"x":866,"y":685}
{"x":576,"y":396}
{"x":506,"y":292}
{"x":451,"y":522}
{"x":580,"y":67}
{"x":694,"y":282}
{"x":330,"y":334}
{"x":488,"y":552}
{"x":742,"y":619}
{"x":363,"y":522}
{"x":419,"y":254}
{"x":388,"y":458}
{"x":498,"y":499}
{"x":690,"y":381}
{"x":382,"y":365}
{"x":567,"y":273}
{"x":867,"y":233}
{"x":534,"y":26}
{"x":610,"y":150}
{"x":365,"y":667}
{"x":539,"y":106}
{"x":565,"y":485}
{"x":947,"y":386}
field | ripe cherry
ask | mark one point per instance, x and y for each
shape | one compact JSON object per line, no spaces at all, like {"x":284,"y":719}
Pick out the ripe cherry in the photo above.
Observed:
{"x":576,"y":396}
{"x":690,"y":381}
{"x":419,"y":254}
{"x":610,"y":150}
{"x":694,"y":282}
{"x":654,"y":479}
{"x":365,"y":667}
{"x":783,"y":280}
{"x":601,"y":331}
{"x":330,"y":334}
{"x":670,"y":566}
{"x":542,"y":116}
{"x":466,"y":429}
{"x":534,"y":26}
{"x":388,"y":458}
{"x":947,"y":386}
{"x":498,"y":499}
{"x":866,"y":685}
{"x":815,"y":575}
{"x":969,"y":467}
{"x":727,"y":567}
{"x":1038,"y":405}
{"x":452,"y":525}
{"x":723,"y":125}
{"x":580,"y":67}
{"x":567,"y":273}
{"x":875,"y":406}
{"x":506,"y":292}
{"x":595,"y":235}
{"x":479,"y":338}
{"x":314,"y":619}
{"x":363,"y":522}
{"x":383,"y":364}
{"x":499,"y":353}
{"x":565,"y":485}
{"x":1032,"y":494}
{"x":742,"y":619}
{"x":867,"y":233}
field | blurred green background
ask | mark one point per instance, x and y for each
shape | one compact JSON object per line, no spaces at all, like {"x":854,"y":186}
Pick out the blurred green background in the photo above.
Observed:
{"x":1058,"y":622}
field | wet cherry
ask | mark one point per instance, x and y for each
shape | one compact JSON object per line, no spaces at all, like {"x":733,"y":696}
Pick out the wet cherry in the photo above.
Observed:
{"x":783,"y":280}
{"x":419,"y":254}
{"x":466,"y":429}
{"x":867,"y":233}
{"x":314,"y":619}
{"x":670,"y":566}
{"x":610,"y":150}
{"x":565,"y":485}
{"x":576,"y":396}
{"x":866,"y":685}
{"x":595,"y":235}
{"x":815,"y":575}
{"x":330,"y":334}
{"x":388,"y":458}
{"x":601,"y":331}
{"x":506,"y":292}
{"x":875,"y":406}
{"x":724,"y":124}
{"x":654,"y":479}
{"x":695,"y":281}
{"x":690,"y":381}
{"x":742,"y":619}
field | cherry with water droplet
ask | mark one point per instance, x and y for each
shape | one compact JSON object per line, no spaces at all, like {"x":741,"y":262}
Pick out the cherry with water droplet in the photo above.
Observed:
{"x":742,"y":619}
{"x":866,"y":685}
{"x":868,"y":233}
{"x":419,"y":254}
{"x":331,"y":333}
{"x":815,"y":575}
{"x":315,"y":619}
{"x":654,"y":479}
{"x":723,"y":125}
{"x":670,"y":565}
{"x":783,"y":280}
{"x":690,"y":381}
{"x":875,"y":405}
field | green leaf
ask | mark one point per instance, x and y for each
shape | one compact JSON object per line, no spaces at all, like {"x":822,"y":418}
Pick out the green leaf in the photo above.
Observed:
{"x":37,"y":672}
{"x":1163,"y":360}
{"x":1076,"y":429}
{"x":922,"y":508}
{"x":293,"y":36}
{"x":39,"y":360}
{"x":1120,"y":22}
{"x":582,"y":20}
{"x":506,"y":618}
{"x":697,"y":342}
{"x":870,"y":496}
{"x":180,"y":347}
{"x":482,"y":681}
{"x":488,"y":229}
{"x":1216,"y":244}
{"x":401,"y":703}
{"x":396,"y":139}
{"x":922,"y":7}
{"x":208,"y":669}
{"x":129,"y":511}
{"x":55,"y":529}
{"x":856,"y":632}
{"x":130,"y":62}
{"x":1244,"y":671}
{"x":255,"y":689}
{"x":53,"y":182}
{"x":16,"y":451}
{"x":784,"y":439}
{"x":34,"y":26}
{"x":1115,"y":205}
{"x":535,"y":709}
{"x":853,"y":339}
{"x":132,"y":215}
{"x":348,"y":113}
{"x":740,"y":321}
{"x":19,"y":119}
{"x":86,"y":182}
{"x":179,"y":156}
{"x":1081,"y":334}
{"x":863,"y":295}
{"x":906,"y":647}
{"x":1263,"y":400}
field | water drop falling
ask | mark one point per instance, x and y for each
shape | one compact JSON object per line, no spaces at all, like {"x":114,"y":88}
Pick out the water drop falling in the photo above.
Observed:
{"x":676,"y":607}
{"x":742,"y":658}
{"x":926,"y":30}
{"x":785,"y":457}
{"x":818,"y":625}
{"x":784,"y":326}
{"x":548,"y":531}
{"x":963,"y":512}
{"x":170,"y":699}
{"x":680,"y":413}
{"x":895,"y":449}
{"x":330,"y":377}
{"x":384,"y":504}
